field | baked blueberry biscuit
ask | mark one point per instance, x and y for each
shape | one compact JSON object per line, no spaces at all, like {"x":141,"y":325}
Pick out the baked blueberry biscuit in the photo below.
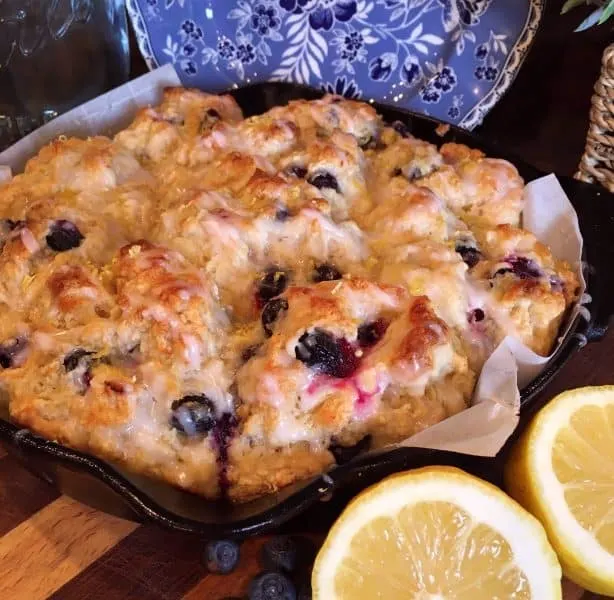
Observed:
{"x":235,"y":305}
{"x":342,"y":360}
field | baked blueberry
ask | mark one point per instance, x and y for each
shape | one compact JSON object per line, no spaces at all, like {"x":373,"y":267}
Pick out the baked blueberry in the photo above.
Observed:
{"x":470,"y":254}
{"x":371,"y":333}
{"x":9,"y":351}
{"x":221,"y":556}
{"x":72,"y":360}
{"x":521,"y":267}
{"x":322,"y":352}
{"x":396,"y":172}
{"x":64,"y":235}
{"x":401,"y":129}
{"x":209,"y":119}
{"x":324,"y":180}
{"x":249,"y":352}
{"x":476,"y":315}
{"x":271,"y":586}
{"x":282,"y":214}
{"x":270,"y":313}
{"x":272,"y":283}
{"x":193,"y":415}
{"x":344,"y":454}
{"x":326,"y":272}
{"x":297,"y":171}
{"x":280,"y":553}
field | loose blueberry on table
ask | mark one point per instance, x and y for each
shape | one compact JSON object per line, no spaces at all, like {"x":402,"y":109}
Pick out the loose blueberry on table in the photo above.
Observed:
{"x":221,"y":556}
{"x":271,"y":586}
{"x":280,"y":553}
{"x":193,"y":415}
{"x":322,"y":352}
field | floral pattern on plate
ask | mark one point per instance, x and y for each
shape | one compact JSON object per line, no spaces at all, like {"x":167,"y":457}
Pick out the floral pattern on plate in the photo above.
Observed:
{"x":451,"y":59}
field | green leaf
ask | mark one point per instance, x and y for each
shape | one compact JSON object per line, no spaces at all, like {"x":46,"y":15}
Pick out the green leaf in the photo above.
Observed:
{"x":607,"y":13}
{"x":591,"y":20}
{"x":572,"y":4}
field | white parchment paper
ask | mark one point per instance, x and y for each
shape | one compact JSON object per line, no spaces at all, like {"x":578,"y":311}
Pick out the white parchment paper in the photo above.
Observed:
{"x":480,"y":430}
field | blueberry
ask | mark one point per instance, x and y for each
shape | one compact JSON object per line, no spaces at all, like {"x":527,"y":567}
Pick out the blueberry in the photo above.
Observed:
{"x":270,"y":313}
{"x":326,"y":354}
{"x":470,"y":254}
{"x":273,"y":283}
{"x":401,"y":129}
{"x":72,"y":360}
{"x":221,"y":556}
{"x":249,"y":352}
{"x":324,"y":180}
{"x":280,"y":553}
{"x":271,"y":586}
{"x":326,"y":272}
{"x":371,"y":333}
{"x":210,"y":117}
{"x":396,"y":172}
{"x":9,"y":351}
{"x":367,"y":142}
{"x":476,"y":316}
{"x":64,"y":235}
{"x":193,"y":415}
{"x":282,"y":214}
{"x":344,"y":454}
{"x":297,"y":171}
{"x":521,"y":267}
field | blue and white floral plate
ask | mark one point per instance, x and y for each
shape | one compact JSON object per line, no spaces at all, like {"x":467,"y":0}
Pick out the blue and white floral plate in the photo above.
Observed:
{"x":451,"y":59}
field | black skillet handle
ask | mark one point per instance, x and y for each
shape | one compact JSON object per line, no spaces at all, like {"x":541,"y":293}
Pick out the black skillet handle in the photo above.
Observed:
{"x":595,"y":208}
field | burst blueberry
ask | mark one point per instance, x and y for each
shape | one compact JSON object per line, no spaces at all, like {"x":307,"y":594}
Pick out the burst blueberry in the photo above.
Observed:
{"x":222,"y":556}
{"x":64,"y":235}
{"x":326,"y":272}
{"x":324,"y":181}
{"x":477,"y":315}
{"x":272,"y":283}
{"x":271,"y":586}
{"x":322,"y":352}
{"x":521,"y":267}
{"x":193,"y":415}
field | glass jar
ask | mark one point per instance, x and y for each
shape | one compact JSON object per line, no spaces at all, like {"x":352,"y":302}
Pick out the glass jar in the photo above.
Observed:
{"x":54,"y":55}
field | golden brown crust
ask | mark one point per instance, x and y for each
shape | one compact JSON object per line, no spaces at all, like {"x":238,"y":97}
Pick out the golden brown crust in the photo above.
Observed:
{"x":214,"y":301}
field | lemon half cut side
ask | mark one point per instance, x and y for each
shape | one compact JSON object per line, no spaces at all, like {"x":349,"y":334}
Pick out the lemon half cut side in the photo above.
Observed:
{"x":435,"y":533}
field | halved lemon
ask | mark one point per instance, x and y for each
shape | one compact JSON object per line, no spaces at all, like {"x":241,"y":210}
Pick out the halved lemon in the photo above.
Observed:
{"x":562,"y":471}
{"x":433,"y":534}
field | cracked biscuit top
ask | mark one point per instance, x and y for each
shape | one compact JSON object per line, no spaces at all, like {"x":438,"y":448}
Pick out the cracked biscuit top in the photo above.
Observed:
{"x":233,"y":305}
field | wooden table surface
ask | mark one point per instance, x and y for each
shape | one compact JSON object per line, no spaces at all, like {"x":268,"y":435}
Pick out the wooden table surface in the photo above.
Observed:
{"x":53,"y":547}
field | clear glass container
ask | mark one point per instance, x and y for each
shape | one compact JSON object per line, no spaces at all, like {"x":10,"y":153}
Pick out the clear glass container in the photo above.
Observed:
{"x":54,"y":55}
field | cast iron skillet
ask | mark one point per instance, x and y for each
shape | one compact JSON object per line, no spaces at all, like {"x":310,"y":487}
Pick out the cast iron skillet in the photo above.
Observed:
{"x":102,"y":486}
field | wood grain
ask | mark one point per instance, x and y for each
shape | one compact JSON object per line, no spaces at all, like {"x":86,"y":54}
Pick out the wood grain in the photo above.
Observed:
{"x":55,"y":544}
{"x":21,"y":494}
